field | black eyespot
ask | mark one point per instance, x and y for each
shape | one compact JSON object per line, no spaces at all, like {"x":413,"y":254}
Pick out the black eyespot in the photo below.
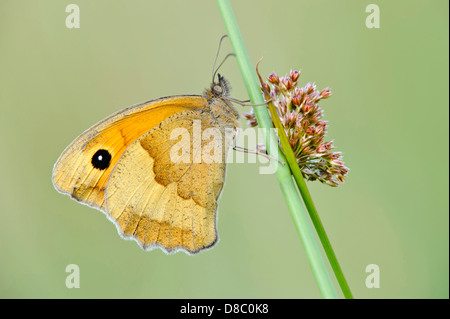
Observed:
{"x":101,"y":159}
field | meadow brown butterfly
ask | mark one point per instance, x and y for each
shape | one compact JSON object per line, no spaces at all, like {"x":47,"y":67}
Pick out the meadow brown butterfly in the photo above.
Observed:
{"x":124,"y":166}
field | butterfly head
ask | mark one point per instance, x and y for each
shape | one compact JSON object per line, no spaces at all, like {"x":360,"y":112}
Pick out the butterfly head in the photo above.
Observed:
{"x":219,"y":89}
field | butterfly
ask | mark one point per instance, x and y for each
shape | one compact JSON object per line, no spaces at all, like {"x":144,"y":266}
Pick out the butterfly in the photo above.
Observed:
{"x":129,"y":167}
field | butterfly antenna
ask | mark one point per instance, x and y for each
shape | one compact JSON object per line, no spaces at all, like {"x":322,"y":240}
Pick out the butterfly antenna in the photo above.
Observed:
{"x":228,"y":55}
{"x":214,"y":70}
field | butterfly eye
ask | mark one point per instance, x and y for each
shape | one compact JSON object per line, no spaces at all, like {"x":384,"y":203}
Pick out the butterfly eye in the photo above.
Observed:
{"x":218,"y":89}
{"x":101,"y":159}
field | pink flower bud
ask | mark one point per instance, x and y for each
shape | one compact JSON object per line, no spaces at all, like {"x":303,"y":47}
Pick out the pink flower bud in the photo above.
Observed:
{"x":310,"y":130}
{"x":305,"y":124}
{"x":326,"y":93}
{"x":296,"y":100}
{"x":337,"y":162}
{"x":274,"y":79}
{"x":319,"y":129}
{"x":286,"y":83}
{"x":322,"y":148}
{"x":294,"y":75}
{"x":267,"y":87}
{"x":310,"y":87}
{"x":307,"y":107}
{"x":329,"y":145}
{"x":306,"y":150}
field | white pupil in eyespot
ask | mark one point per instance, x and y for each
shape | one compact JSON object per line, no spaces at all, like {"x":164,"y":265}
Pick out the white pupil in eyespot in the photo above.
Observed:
{"x":100,"y":157}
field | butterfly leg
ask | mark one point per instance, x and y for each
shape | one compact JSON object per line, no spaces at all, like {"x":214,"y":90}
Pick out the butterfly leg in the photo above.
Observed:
{"x":260,"y":150}
{"x":245,"y":102}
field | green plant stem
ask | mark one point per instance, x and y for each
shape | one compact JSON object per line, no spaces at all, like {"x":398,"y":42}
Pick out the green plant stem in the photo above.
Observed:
{"x":293,"y":165}
{"x":282,"y":173}
{"x":307,"y":199}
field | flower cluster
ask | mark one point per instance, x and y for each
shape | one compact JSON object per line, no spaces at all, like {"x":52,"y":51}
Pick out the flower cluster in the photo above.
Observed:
{"x":301,"y":115}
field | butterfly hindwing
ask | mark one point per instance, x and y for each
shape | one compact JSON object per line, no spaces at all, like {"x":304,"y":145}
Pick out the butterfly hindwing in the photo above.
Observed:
{"x":169,"y":203}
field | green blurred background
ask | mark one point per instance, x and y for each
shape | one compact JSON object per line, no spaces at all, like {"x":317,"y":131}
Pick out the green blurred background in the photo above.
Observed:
{"x":388,"y":115}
